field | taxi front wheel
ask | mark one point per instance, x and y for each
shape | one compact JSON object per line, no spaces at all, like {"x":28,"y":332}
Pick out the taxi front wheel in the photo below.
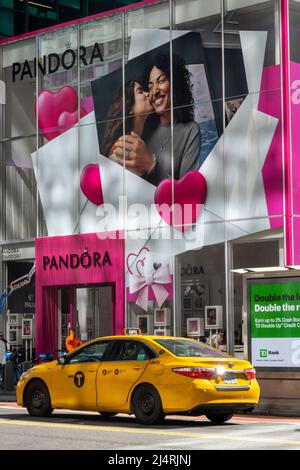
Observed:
{"x":219,"y":418}
{"x":147,"y":406}
{"x":37,"y":399}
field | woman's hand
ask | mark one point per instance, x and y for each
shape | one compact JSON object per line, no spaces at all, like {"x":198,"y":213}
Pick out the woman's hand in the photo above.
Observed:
{"x":138,"y":157}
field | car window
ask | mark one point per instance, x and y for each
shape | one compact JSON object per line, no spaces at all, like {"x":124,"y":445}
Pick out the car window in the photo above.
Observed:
{"x":91,"y":353}
{"x":187,"y":348}
{"x":131,"y":351}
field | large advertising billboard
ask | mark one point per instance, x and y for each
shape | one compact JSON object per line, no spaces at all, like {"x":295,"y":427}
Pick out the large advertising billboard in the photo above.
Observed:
{"x":275,"y":323}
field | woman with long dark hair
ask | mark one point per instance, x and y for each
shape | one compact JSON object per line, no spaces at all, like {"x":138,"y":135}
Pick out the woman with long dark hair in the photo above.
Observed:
{"x":186,"y":132}
{"x":137,"y":109}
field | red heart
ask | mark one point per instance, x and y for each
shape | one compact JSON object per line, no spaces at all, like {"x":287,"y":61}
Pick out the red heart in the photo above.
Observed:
{"x":51,"y":105}
{"x":67,"y":120}
{"x":189,"y":194}
{"x":90,"y":183}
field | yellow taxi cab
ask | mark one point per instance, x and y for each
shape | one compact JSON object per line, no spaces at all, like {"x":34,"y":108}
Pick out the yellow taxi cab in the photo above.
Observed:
{"x":150,"y":376}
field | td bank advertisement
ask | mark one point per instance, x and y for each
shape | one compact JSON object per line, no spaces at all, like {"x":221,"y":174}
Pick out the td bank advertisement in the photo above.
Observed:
{"x":275,"y":324}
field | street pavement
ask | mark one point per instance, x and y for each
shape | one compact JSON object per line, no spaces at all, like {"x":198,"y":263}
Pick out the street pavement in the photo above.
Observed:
{"x":66,"y":430}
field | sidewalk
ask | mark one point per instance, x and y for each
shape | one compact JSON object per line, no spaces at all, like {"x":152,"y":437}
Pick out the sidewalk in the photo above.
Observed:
{"x":8,"y":396}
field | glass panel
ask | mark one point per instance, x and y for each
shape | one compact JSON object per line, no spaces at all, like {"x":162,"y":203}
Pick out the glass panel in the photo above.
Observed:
{"x":252,"y":115}
{"x":56,"y":161}
{"x":294,"y":18}
{"x":101,"y":48}
{"x":197,"y":45}
{"x":18,"y":73}
{"x":149,"y":264}
{"x":58,"y":82}
{"x":250,"y":252}
{"x":94,"y":312}
{"x":253,"y":161}
{"x":147,"y":158}
{"x":200,"y":23}
{"x":250,"y":28}
{"x":201,"y":284}
{"x":18,"y":190}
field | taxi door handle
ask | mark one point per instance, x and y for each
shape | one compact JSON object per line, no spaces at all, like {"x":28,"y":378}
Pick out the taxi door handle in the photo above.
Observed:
{"x":137,"y":368}
{"x":92,"y":370}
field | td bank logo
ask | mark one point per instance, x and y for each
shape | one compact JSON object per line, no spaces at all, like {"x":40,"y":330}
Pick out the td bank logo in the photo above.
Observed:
{"x":263,"y":353}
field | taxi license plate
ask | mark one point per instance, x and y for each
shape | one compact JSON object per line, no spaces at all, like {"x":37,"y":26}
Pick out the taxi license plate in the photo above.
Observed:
{"x":229,"y":379}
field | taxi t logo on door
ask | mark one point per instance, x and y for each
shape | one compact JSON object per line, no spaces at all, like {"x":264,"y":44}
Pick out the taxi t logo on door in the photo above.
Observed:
{"x":79,"y":379}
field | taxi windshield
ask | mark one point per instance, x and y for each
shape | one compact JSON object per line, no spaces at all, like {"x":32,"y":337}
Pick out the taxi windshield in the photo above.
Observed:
{"x":187,"y":348}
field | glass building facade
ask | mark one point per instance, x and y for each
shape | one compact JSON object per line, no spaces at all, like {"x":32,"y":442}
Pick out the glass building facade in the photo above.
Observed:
{"x":199,"y":195}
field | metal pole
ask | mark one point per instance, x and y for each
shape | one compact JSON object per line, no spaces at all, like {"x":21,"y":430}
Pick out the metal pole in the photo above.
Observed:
{"x":171,"y":24}
{"x":287,"y":156}
{"x":229,"y":312}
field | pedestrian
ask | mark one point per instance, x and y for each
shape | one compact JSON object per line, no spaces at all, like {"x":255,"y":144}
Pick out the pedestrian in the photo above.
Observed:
{"x":3,"y":349}
{"x":72,"y":341}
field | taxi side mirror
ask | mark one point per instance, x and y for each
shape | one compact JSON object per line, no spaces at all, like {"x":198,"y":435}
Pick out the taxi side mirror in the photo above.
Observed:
{"x":61,"y":360}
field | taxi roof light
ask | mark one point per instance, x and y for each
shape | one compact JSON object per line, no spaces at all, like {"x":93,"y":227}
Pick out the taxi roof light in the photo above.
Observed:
{"x":132,"y":331}
{"x":196,"y":372}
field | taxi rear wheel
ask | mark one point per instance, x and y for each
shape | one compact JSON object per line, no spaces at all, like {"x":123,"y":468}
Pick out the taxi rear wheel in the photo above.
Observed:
{"x":219,"y":418}
{"x":147,"y":406}
{"x":37,"y":399}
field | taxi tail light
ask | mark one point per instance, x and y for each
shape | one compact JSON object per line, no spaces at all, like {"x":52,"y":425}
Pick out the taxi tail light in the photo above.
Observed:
{"x":251,"y":374}
{"x":196,"y":372}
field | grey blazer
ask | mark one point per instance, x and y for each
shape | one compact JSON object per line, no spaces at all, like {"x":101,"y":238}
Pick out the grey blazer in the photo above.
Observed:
{"x":187,"y":145}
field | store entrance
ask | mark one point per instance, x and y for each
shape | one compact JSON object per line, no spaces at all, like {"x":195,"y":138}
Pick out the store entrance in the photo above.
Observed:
{"x":89,"y":310}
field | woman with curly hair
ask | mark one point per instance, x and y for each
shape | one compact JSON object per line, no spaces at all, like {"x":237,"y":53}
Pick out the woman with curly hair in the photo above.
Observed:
{"x":186,"y":135}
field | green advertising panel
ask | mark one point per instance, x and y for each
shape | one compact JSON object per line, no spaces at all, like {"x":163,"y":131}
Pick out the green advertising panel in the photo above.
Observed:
{"x":275,"y":323}
{"x":275,"y":310}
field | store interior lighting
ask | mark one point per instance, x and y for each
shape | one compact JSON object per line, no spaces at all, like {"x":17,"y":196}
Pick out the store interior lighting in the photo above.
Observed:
{"x":268,"y":269}
{"x":36,"y":4}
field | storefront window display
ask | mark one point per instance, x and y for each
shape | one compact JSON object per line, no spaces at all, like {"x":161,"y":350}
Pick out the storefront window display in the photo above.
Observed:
{"x":149,"y":281}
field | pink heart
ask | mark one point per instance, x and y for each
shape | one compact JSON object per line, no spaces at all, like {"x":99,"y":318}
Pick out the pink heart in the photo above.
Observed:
{"x":189,"y":194}
{"x":67,"y":120}
{"x":51,"y":105}
{"x":90,"y":183}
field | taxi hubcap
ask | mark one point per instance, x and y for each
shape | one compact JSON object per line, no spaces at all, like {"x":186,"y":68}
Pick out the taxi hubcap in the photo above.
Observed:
{"x":147,"y":403}
{"x":37,"y":399}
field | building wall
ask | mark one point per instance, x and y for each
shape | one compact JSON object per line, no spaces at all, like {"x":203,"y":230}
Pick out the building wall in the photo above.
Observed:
{"x":51,"y":171}
{"x":56,"y":160}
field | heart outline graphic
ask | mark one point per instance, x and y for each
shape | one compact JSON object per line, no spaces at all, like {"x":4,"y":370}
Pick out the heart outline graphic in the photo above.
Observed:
{"x":136,"y":255}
